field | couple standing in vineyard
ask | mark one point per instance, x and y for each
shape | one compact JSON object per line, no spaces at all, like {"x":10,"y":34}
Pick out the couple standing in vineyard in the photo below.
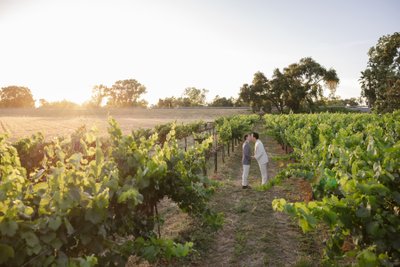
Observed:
{"x":259,"y":154}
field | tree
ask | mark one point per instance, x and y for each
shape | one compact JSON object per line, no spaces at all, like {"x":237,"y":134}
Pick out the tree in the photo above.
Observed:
{"x":168,"y":102}
{"x":98,"y":95}
{"x":173,"y":102}
{"x":222,"y":102}
{"x":380,"y":81}
{"x":245,"y":94}
{"x":194,"y":96}
{"x":123,"y":93}
{"x":260,"y":86}
{"x":337,"y":101}
{"x":238,"y":102}
{"x":256,"y":93}
{"x":43,"y":102}
{"x":16,"y":97}
{"x":298,"y":87}
{"x":64,"y":104}
{"x":305,"y":81}
{"x":276,"y":92}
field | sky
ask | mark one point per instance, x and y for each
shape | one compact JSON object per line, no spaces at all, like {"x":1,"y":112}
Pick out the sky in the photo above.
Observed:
{"x":60,"y":49}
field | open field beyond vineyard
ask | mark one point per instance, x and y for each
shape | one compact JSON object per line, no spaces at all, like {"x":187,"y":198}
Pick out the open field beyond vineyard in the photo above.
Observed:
{"x":19,"y":123}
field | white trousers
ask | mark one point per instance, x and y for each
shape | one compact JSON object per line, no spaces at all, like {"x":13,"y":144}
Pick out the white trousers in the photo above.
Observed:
{"x":245,"y":175}
{"x":264,"y":174}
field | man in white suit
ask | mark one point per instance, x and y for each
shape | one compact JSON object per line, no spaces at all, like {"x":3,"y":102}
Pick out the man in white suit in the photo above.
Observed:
{"x":261,"y":156}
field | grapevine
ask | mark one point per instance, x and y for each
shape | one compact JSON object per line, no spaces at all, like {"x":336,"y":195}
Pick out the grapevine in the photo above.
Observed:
{"x":352,"y":161}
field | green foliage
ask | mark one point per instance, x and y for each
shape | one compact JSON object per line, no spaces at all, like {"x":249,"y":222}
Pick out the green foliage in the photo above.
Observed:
{"x":224,"y":131}
{"x":181,"y":130}
{"x":222,"y":102}
{"x":380,"y":81}
{"x":291,"y":170}
{"x":235,"y":127}
{"x":81,"y":198}
{"x":155,"y":249}
{"x":255,"y":93}
{"x":158,"y":171}
{"x":123,"y":93}
{"x":82,"y":201}
{"x":297,"y":88}
{"x":305,"y":81}
{"x":192,"y":97}
{"x":64,"y":104}
{"x":31,"y":151}
{"x":199,"y":137}
{"x":337,"y":101}
{"x":342,"y":109}
{"x":196,"y":97}
{"x":352,"y":163}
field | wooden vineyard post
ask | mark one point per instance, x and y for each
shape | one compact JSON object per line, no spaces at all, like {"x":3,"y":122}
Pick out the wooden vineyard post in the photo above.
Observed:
{"x":233,"y":145}
{"x":185,"y":143}
{"x":215,"y":148}
{"x":205,"y":164}
{"x":228,"y":149}
{"x":158,"y":221}
{"x":223,"y":153}
{"x":215,"y":160}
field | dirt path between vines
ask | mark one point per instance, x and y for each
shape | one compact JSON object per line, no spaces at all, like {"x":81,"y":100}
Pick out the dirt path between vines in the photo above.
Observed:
{"x":253,"y":234}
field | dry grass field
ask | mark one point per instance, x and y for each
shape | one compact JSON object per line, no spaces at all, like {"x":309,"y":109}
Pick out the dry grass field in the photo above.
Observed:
{"x":19,"y":123}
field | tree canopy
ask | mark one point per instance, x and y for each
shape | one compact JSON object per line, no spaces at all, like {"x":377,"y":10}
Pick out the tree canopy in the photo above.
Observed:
{"x":64,"y":104}
{"x":296,"y":88}
{"x":168,"y":102}
{"x":380,"y":81}
{"x":123,"y":93}
{"x":255,"y":93}
{"x":222,"y":102}
{"x":306,"y":80}
{"x":191,"y":97}
{"x":196,"y":97}
{"x":16,"y":97}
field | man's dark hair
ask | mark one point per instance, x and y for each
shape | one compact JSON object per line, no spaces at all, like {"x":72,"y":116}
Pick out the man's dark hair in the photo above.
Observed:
{"x":245,"y":136}
{"x":255,"y":135}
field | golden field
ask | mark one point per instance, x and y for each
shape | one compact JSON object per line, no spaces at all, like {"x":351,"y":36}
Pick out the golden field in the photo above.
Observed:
{"x":19,"y":123}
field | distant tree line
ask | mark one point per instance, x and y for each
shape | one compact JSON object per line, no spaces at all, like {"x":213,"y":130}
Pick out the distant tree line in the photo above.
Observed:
{"x":64,"y":104}
{"x":297,"y":88}
{"x":128,"y":93}
{"x":193,"y":97}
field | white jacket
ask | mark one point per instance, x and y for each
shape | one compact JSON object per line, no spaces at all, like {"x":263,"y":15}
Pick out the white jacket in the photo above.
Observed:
{"x":259,"y":153}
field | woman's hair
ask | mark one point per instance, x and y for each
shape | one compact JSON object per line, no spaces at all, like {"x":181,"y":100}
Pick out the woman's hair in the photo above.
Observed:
{"x":245,"y":137}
